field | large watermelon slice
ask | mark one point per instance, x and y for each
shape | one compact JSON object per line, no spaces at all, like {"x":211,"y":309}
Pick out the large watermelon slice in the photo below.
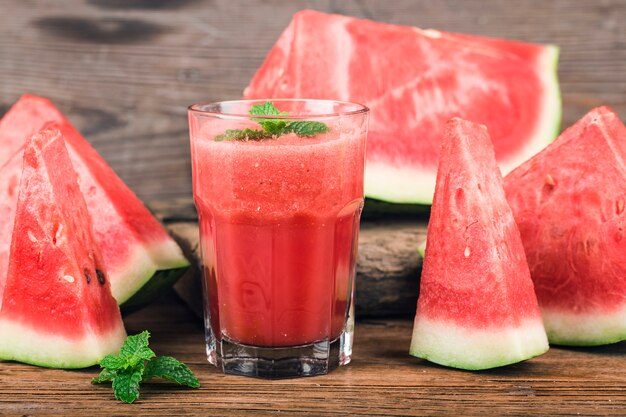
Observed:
{"x":58,"y":310}
{"x":476,"y":308}
{"x":569,"y":203}
{"x":141,"y":257}
{"x":414,"y":80}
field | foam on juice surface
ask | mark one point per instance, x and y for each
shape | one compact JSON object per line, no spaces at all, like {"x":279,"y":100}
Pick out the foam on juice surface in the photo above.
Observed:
{"x":283,"y":176}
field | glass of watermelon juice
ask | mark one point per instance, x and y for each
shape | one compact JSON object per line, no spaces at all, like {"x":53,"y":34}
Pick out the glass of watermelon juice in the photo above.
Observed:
{"x":279,"y":195}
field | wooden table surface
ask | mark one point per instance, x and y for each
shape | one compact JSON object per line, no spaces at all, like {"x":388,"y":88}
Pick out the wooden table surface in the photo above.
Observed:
{"x":382,"y":380}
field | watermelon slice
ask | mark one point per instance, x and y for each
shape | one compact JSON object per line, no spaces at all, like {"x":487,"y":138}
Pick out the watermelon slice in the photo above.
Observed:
{"x":569,"y":204}
{"x":141,"y":257}
{"x":58,"y":310}
{"x":476,"y":308}
{"x":413,"y":80}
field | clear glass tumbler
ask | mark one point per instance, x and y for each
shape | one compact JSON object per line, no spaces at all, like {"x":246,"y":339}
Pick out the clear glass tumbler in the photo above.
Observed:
{"x":279,"y":198}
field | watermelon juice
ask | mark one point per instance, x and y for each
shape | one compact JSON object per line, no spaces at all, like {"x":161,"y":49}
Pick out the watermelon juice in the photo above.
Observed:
{"x":279,"y":220}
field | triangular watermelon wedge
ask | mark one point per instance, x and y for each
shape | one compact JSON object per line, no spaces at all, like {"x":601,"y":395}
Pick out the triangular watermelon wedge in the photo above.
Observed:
{"x":413,"y":80}
{"x":141,"y":257}
{"x":477,"y":308}
{"x":569,"y":202}
{"x":57,"y":308}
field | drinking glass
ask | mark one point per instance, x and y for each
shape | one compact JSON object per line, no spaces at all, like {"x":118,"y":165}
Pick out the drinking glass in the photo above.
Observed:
{"x":279,"y":198}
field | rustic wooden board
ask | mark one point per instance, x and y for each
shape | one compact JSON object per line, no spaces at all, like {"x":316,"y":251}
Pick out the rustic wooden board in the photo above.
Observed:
{"x":125,"y":70}
{"x":383,"y":380}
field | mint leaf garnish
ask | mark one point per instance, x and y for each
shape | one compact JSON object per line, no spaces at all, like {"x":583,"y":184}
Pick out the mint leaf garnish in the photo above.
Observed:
{"x":126,"y":384}
{"x":171,"y":369}
{"x":106,"y":375}
{"x":136,"y":348}
{"x":113,"y":362}
{"x":272,"y":128}
{"x":266,"y":109}
{"x":136,"y":363}
{"x":308,"y":129}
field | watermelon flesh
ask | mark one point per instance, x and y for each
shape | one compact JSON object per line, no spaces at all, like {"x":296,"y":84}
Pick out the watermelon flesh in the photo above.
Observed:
{"x":413,"y":80}
{"x":477,"y":308}
{"x":141,"y":257}
{"x":569,"y":203}
{"x":10,"y":175}
{"x":57,"y":308}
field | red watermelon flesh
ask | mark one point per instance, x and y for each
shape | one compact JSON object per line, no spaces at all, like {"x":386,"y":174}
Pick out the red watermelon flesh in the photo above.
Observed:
{"x":414,"y":80}
{"x":10,"y":175}
{"x":22,"y":121}
{"x":569,"y":202}
{"x":57,"y":308}
{"x":141,"y":257}
{"x":477,"y":308}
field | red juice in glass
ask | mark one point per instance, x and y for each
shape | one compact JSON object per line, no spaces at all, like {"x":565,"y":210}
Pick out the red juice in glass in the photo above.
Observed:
{"x":279,"y":219}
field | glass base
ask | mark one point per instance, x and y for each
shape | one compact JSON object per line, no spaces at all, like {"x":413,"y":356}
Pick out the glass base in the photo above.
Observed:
{"x":285,"y":362}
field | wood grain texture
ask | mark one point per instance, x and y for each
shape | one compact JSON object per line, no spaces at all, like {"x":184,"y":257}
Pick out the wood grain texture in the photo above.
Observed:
{"x":125,"y":70}
{"x":382,"y":380}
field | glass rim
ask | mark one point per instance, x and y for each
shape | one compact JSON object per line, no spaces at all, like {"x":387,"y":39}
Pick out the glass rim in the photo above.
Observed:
{"x":197,"y":108}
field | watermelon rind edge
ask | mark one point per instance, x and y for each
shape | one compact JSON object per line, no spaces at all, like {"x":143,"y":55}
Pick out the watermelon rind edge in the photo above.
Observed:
{"x":586,"y":329}
{"x":153,"y":288}
{"x":475,"y":349}
{"x":38,"y":347}
{"x":418,"y":185}
{"x":149,"y":271}
{"x":554,"y":52}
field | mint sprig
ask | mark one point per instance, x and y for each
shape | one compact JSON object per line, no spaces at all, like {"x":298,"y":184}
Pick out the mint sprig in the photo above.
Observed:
{"x":171,"y":369}
{"x":272,"y":128}
{"x":137,"y":363}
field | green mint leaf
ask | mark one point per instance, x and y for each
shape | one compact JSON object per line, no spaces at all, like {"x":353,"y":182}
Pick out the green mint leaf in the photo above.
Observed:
{"x":135,"y":350}
{"x":106,"y":375}
{"x":266,"y":109}
{"x":126,"y":384}
{"x":245,"y":134}
{"x":307,"y":129}
{"x":113,"y":362}
{"x":273,"y":127}
{"x":171,"y":369}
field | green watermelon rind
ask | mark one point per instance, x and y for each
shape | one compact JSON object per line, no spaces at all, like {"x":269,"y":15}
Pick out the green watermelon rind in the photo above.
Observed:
{"x":410,"y":185}
{"x":447,"y":344}
{"x":153,"y":288}
{"x":553,"y":53}
{"x":585,"y":330}
{"x":421,"y":249}
{"x":54,"y":351}
{"x":148,"y":274}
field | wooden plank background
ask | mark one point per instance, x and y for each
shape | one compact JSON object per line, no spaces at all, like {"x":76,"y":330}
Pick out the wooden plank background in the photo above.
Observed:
{"x":125,"y":70}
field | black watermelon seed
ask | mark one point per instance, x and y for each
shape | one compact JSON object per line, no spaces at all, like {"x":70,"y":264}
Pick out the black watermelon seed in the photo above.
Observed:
{"x":100,"y":275}
{"x":87,"y":276}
